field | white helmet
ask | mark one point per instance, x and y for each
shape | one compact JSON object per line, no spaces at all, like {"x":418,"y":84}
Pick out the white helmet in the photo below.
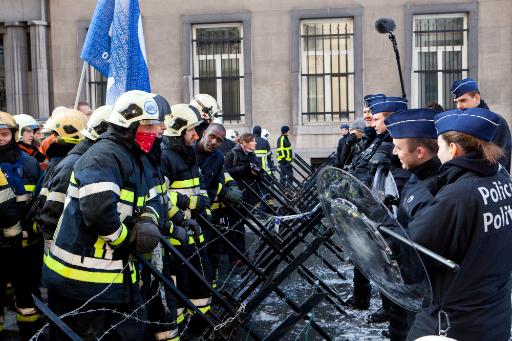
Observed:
{"x":231,"y":134}
{"x":206,"y":104}
{"x":97,"y":123}
{"x":182,"y":116}
{"x":265,"y":134}
{"x":135,"y":106}
{"x":25,"y":121}
{"x":67,"y":124}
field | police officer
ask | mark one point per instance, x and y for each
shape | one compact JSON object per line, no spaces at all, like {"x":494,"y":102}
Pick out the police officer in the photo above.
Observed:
{"x":108,"y":213}
{"x":188,"y":198}
{"x":471,"y":208}
{"x":344,"y":131}
{"x":57,"y":181}
{"x":263,"y":151}
{"x":22,"y":173}
{"x":415,"y":143}
{"x":285,"y":156}
{"x":354,"y":143}
{"x":467,"y":95}
{"x":381,"y":107}
{"x":27,"y":141}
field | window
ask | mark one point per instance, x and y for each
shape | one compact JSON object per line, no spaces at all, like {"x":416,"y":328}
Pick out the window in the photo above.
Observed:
{"x":440,"y":56}
{"x":3,"y":98}
{"x":218,"y":67}
{"x":96,"y":88}
{"x":327,"y":70}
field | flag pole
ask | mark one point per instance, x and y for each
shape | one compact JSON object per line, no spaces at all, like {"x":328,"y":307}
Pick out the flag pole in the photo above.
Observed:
{"x":80,"y":83}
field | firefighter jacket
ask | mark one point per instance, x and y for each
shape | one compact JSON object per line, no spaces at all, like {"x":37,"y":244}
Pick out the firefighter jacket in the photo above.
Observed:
{"x":107,"y":190}
{"x":23,"y":174}
{"x":215,"y":178}
{"x":284,"y":149}
{"x":264,"y":154}
{"x":469,"y":222}
{"x":180,"y":167}
{"x":56,"y":185}
{"x":10,"y":222}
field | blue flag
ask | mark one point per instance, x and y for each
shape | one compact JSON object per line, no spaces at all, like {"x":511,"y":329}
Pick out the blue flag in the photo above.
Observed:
{"x":115,"y":47}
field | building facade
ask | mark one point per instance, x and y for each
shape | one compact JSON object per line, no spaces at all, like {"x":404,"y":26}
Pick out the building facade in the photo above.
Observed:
{"x":295,"y":62}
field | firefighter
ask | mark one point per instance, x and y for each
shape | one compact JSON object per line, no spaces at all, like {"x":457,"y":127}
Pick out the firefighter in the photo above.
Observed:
{"x":219,"y":185}
{"x":188,"y":198}
{"x":471,"y":208}
{"x":263,"y":151}
{"x":58,"y":179}
{"x":285,"y":156}
{"x":22,"y":173}
{"x":27,"y":141}
{"x":107,"y":214}
{"x":208,"y":108}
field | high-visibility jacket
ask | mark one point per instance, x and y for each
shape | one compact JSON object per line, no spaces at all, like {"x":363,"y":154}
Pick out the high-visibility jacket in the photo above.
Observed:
{"x":185,"y":188}
{"x":284,"y":149}
{"x":107,"y":190}
{"x":57,"y":183}
{"x":264,"y":154}
{"x":10,"y":222}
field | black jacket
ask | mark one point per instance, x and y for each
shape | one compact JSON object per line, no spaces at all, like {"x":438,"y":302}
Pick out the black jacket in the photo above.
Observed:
{"x":238,"y":164}
{"x":469,"y":222}
{"x":226,"y":146}
{"x":263,"y":154}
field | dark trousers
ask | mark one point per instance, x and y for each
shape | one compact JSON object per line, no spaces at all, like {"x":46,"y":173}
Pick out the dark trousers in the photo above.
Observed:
{"x":287,"y":173}
{"x":362,"y":286}
{"x":92,"y":325}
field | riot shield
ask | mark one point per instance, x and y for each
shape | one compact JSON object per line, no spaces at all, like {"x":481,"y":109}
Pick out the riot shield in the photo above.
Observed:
{"x":365,"y":228}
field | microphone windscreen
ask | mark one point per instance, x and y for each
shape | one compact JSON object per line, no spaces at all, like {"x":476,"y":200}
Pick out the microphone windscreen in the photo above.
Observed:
{"x":385,"y":25}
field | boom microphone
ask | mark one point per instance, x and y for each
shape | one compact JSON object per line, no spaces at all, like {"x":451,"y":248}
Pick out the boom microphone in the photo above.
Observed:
{"x":385,"y":25}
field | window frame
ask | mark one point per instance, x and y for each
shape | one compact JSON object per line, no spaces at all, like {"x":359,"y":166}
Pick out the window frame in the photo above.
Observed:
{"x":218,"y":67}
{"x":187,"y":21}
{"x":469,"y":8}
{"x":356,"y":13}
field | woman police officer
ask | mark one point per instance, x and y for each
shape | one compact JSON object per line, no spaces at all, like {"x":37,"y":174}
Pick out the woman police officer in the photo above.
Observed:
{"x":472,"y":208}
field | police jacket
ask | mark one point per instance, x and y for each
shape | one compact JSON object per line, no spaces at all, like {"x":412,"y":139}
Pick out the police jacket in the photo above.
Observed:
{"x":238,"y":164}
{"x":56,"y":186}
{"x":107,"y":190}
{"x":360,"y":162}
{"x":468,"y":222}
{"x":416,"y":193}
{"x":263,"y":154}
{"x":179,"y":165}
{"x":340,"y":150}
{"x":284,"y":149}
{"x":502,"y":138}
{"x":226,"y":146}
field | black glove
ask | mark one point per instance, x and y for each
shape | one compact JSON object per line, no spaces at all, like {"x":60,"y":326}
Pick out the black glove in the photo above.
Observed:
{"x":350,"y":140}
{"x":234,"y":195}
{"x":144,"y":236}
{"x":377,"y":160}
{"x":390,"y":200}
{"x":180,"y":234}
{"x":193,"y":226}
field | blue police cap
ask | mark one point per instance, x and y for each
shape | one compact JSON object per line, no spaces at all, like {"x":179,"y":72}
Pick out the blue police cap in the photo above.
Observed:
{"x":412,"y":123}
{"x":477,"y":122}
{"x":463,"y":86}
{"x":387,"y":104}
{"x":368,"y":98}
{"x":344,"y":126}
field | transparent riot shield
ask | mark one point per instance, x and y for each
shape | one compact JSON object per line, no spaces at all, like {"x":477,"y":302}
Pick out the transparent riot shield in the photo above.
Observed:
{"x":367,"y":232}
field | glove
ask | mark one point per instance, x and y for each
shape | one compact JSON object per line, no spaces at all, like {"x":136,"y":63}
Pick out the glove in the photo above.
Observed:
{"x":179,"y":233}
{"x":351,"y":139}
{"x":390,"y":200}
{"x":193,"y":227}
{"x":144,"y":236}
{"x":234,"y":195}
{"x":377,"y":160}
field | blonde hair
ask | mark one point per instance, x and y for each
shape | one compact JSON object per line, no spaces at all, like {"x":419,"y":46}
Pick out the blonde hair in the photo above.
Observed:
{"x":491,"y":152}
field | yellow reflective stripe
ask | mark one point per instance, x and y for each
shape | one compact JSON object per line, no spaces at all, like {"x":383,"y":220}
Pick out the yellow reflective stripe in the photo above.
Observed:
{"x":99,"y":247}
{"x":82,"y":275}
{"x":215,"y":206}
{"x":72,"y":179}
{"x":185,"y":183}
{"x":264,"y":163}
{"x":227,"y":177}
{"x":3,"y":179}
{"x":141,"y":201}
{"x":180,"y":318}
{"x":69,"y":140}
{"x":122,"y":236}
{"x":219,"y":188}
{"x":126,"y":195}
{"x":191,"y":240}
{"x":193,"y":202}
{"x":173,"y":210}
{"x":30,"y":188}
{"x":28,"y":318}
{"x":134,"y":275}
{"x":173,"y":197}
